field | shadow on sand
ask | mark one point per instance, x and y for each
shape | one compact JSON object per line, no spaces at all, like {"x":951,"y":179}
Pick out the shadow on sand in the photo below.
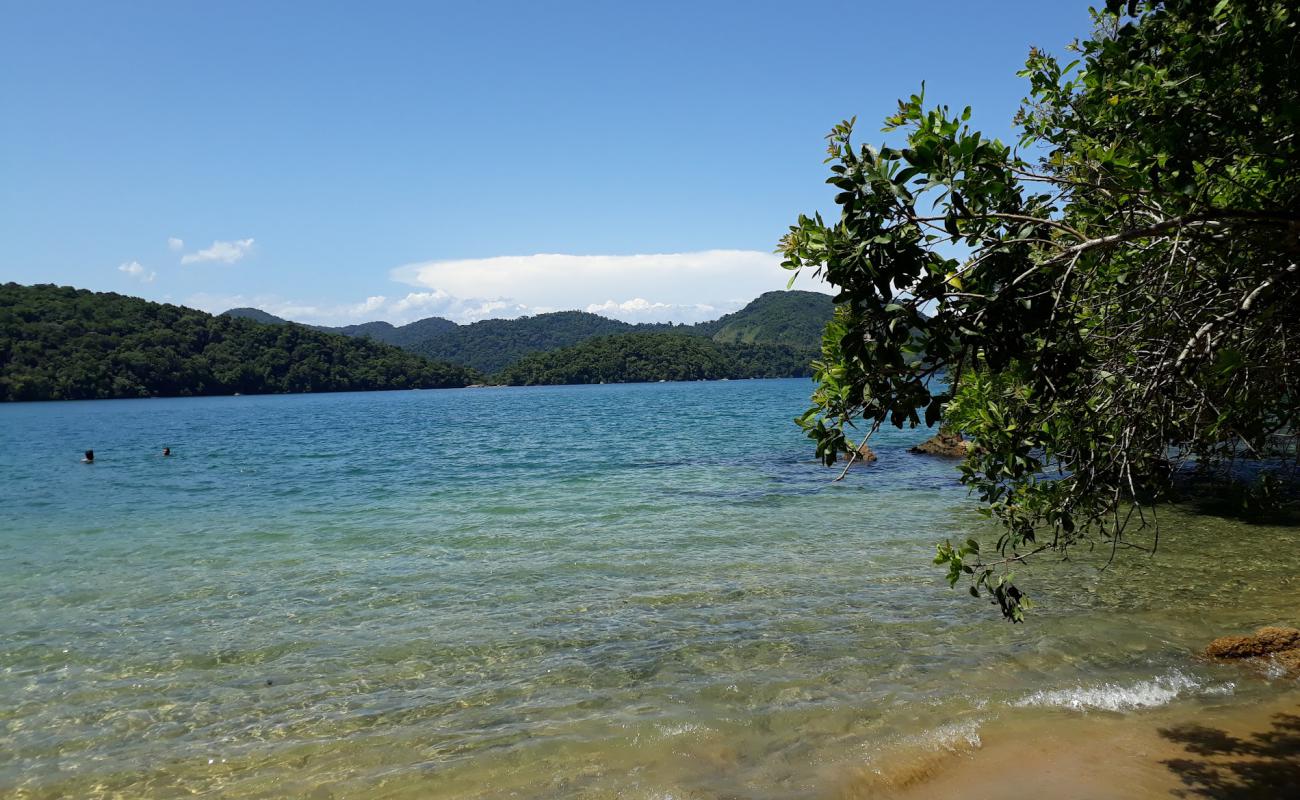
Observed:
{"x":1263,"y":765}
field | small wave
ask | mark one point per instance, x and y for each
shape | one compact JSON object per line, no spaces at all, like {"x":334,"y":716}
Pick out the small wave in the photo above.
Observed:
{"x":1115,"y":697}
{"x":909,"y":760}
{"x":681,"y":729}
{"x":954,"y":736}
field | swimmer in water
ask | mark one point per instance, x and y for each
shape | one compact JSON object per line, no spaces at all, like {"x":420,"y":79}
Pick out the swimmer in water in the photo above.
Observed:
{"x":167,"y":451}
{"x":89,"y":458}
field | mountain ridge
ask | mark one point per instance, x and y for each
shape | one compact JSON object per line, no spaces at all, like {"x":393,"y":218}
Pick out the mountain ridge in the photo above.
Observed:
{"x":58,"y":342}
{"x":795,"y":318}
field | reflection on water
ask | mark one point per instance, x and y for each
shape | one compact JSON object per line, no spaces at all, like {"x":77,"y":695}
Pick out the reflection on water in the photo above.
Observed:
{"x":583,"y":591}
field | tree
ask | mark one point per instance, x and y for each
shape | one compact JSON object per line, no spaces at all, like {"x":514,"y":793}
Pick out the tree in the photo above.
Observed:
{"x":1099,"y":308}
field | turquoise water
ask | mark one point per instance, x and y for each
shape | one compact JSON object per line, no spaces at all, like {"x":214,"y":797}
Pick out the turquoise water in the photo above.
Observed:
{"x":593,"y":591}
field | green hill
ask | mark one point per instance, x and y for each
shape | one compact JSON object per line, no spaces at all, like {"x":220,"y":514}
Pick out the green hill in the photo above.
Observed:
{"x":638,"y":357}
{"x":256,"y":315}
{"x":404,"y":336}
{"x":399,"y":335}
{"x":793,"y":318}
{"x":60,"y":343}
{"x":492,"y":344}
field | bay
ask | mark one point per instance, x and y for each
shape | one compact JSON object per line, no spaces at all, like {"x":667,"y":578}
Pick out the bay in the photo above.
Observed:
{"x":597,"y":591}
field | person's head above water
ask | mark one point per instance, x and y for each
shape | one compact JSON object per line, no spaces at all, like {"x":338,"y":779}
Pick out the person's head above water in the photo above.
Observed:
{"x":89,"y":457}
{"x":167,"y":451}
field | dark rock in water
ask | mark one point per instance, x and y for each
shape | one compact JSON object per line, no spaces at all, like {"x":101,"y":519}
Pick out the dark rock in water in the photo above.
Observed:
{"x":865,"y":454}
{"x":1266,"y":641}
{"x":946,"y":442}
{"x":1269,"y":648}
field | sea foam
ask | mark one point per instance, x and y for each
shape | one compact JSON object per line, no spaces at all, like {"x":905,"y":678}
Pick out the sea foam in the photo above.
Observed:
{"x":1118,"y":697}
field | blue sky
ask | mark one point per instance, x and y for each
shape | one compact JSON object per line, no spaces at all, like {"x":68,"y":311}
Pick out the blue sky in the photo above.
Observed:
{"x":340,"y":162}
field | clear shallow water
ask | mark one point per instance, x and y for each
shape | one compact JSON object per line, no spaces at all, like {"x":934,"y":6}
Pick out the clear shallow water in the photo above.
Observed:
{"x":597,"y":591}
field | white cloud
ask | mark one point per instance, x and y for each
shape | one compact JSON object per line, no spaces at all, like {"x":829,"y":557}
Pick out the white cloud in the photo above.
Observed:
{"x":635,"y":305}
{"x":639,"y":309}
{"x":280,"y":307}
{"x":675,"y":280}
{"x":370,"y":305}
{"x":175,"y":245}
{"x":225,"y":252}
{"x":420,"y":301}
{"x":438,"y":303}
{"x":677,"y":287}
{"x":399,"y":311}
{"x":136,"y":270}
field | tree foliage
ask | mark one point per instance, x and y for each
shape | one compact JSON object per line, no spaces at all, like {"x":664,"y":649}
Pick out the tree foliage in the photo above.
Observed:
{"x":59,"y":343}
{"x":639,"y":357}
{"x":1112,"y":300}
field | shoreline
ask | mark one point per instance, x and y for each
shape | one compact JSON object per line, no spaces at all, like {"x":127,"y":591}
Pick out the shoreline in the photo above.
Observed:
{"x":475,"y":387}
{"x":1216,"y":747}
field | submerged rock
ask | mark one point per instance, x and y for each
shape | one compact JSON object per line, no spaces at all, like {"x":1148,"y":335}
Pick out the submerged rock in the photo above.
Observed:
{"x":1264,"y":642}
{"x":1288,"y":660}
{"x":947,"y":443}
{"x":1270,"y":646}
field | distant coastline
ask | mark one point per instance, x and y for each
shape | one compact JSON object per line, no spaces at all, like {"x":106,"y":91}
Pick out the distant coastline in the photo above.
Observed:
{"x":796,"y":319}
{"x":72,"y":344}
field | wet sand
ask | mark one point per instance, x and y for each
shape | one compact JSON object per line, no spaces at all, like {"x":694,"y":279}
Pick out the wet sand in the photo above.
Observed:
{"x":1211,"y":750}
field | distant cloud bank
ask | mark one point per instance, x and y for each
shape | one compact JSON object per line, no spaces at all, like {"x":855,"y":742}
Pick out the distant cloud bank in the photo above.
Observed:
{"x":653,"y":287}
{"x":638,"y":309}
{"x":658,"y":287}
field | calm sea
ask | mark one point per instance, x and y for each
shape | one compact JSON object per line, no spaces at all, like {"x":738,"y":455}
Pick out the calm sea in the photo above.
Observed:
{"x":596,"y":591}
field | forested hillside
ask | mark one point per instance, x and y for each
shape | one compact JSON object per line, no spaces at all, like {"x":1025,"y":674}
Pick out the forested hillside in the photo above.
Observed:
{"x":634,"y":357}
{"x":256,"y":315}
{"x":60,"y":343}
{"x":793,"y":318}
{"x":401,"y":335}
{"x":404,"y":336}
{"x":492,"y":344}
